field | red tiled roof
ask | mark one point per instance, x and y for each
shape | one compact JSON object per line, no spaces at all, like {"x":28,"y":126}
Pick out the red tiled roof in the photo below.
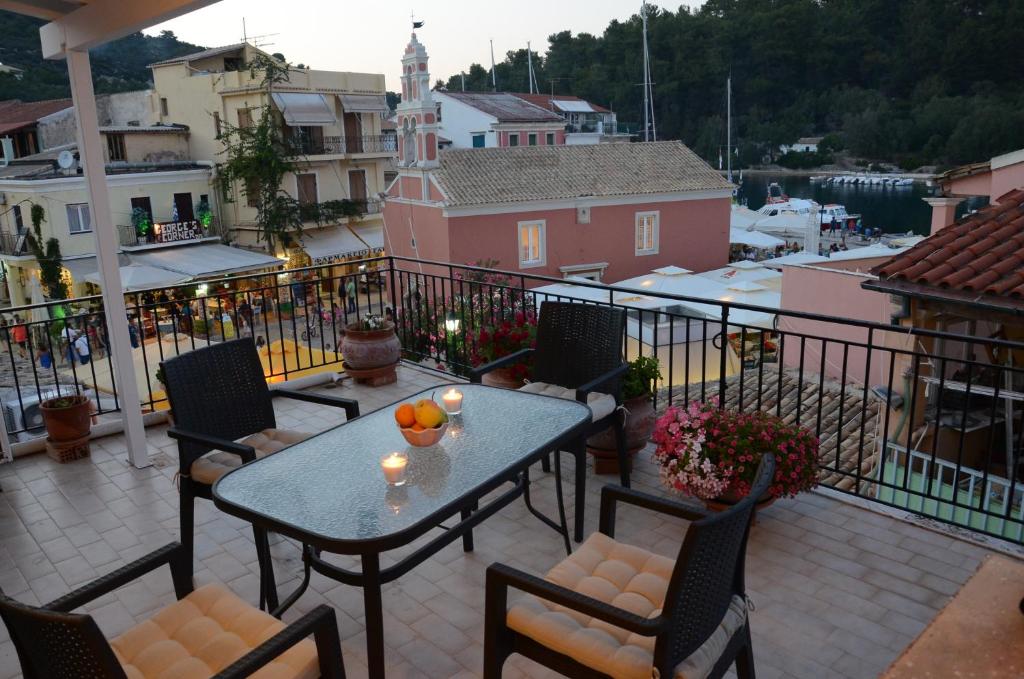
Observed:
{"x":544,"y":100}
{"x":15,"y":113}
{"x":981,"y":255}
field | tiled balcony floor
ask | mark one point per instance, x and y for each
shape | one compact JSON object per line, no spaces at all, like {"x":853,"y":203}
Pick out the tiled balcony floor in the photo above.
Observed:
{"x":839,"y":591}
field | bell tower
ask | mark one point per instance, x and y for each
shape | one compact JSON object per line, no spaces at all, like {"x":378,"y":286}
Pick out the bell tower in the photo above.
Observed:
{"x":417,"y":112}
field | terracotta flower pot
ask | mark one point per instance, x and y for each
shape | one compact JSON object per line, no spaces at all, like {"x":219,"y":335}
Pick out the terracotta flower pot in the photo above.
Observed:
{"x":370,"y":349}
{"x":67,"y":418}
{"x":639,"y":425}
{"x":502,"y":377}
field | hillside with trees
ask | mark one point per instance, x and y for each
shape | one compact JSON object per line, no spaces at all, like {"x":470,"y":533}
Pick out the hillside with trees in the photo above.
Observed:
{"x":119,"y":66}
{"x":915,"y":82}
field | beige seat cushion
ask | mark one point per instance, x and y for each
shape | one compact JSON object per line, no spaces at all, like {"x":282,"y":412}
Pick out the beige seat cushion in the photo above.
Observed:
{"x":217,"y":463}
{"x":601,"y":405}
{"x":626,"y":577}
{"x":202,"y":634}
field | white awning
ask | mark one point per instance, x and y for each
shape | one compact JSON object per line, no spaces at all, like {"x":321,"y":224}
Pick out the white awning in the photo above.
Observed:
{"x":754,"y":239}
{"x":573,"y":106}
{"x":364,"y":103}
{"x":206,"y":260}
{"x":328,"y":245}
{"x":81,"y":267}
{"x":305,"y":108}
{"x":142,"y":277}
{"x":372,"y":235}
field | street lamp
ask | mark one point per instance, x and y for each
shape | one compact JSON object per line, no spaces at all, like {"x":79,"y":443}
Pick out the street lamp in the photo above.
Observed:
{"x":452,"y":322}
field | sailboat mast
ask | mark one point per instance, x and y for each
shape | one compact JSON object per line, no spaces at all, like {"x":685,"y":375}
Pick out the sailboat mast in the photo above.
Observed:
{"x":529,"y":64}
{"x":728,"y":124}
{"x":650,"y":131}
{"x":494,"y":76}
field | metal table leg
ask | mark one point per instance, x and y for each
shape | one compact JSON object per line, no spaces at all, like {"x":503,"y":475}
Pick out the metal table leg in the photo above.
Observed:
{"x":579,"y":451}
{"x":374,"y":608}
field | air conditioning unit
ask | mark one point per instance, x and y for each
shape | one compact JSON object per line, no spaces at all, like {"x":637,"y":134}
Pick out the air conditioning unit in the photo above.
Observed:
{"x":24,"y":416}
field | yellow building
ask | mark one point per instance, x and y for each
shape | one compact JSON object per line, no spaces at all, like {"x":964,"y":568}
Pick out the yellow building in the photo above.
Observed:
{"x":334,"y":118}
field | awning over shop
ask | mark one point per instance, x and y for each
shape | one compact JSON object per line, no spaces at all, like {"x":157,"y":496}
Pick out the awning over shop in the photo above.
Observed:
{"x":143,"y":277}
{"x":329,"y":245}
{"x":305,"y":108}
{"x":81,"y":267}
{"x":372,"y":235}
{"x":363,"y":103}
{"x":754,"y":239}
{"x":206,"y":260}
{"x":573,"y":106}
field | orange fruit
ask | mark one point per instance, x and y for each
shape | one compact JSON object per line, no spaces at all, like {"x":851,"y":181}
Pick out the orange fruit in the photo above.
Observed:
{"x":405,"y":415}
{"x":418,"y":427}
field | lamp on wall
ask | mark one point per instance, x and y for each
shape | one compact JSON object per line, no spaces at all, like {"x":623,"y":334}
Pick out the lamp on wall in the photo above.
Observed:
{"x":452,"y":322}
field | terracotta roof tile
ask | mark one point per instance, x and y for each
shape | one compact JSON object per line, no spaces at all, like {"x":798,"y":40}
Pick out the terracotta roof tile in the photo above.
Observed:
{"x":981,"y":254}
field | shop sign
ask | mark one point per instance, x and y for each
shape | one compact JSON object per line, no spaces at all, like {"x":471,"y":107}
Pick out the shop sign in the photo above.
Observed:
{"x":172,"y":232}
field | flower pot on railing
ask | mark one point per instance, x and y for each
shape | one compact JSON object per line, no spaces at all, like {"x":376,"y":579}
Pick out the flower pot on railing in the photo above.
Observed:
{"x":370,"y":351}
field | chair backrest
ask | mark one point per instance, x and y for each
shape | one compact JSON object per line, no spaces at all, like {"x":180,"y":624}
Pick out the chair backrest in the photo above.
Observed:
{"x":52,"y":644}
{"x":220,"y":391}
{"x":577,"y":342}
{"x":708,"y":573}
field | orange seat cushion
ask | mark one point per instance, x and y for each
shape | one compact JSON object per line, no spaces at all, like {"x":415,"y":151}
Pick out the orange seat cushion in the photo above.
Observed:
{"x":202,"y":634}
{"x":626,"y":577}
{"x":215,"y":464}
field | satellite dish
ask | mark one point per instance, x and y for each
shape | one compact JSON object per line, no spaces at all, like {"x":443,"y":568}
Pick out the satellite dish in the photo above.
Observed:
{"x":66,"y":160}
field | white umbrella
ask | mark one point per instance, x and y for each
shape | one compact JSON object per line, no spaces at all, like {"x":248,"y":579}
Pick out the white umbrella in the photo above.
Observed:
{"x":745,"y":271}
{"x":39,"y":312}
{"x":795,"y":258}
{"x":754,"y":239}
{"x":143,"y":276}
{"x":754,"y":294}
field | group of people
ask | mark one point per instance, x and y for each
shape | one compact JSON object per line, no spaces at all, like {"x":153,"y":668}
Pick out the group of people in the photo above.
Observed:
{"x":81,"y":339}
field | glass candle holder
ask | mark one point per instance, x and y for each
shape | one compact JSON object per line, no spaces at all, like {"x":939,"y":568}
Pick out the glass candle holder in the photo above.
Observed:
{"x":393,"y":466}
{"x":452,"y":401}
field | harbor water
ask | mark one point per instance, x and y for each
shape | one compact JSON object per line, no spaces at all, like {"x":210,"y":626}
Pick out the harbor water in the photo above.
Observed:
{"x":894,"y":210}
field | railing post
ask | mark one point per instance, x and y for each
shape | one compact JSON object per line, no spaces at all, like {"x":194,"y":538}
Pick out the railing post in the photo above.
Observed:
{"x":722,"y":356}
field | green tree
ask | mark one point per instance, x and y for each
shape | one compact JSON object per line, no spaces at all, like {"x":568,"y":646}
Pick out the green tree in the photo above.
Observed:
{"x":47,"y":255}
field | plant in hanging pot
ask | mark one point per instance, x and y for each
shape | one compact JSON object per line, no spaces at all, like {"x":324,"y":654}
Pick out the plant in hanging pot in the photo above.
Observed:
{"x":499,"y":339}
{"x":712,"y":453}
{"x":371,"y":350}
{"x":638,"y":385}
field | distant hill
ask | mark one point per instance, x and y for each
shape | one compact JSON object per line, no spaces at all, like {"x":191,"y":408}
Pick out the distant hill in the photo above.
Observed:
{"x":119,"y":66}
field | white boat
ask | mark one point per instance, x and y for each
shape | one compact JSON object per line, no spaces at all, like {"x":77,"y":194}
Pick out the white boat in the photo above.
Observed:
{"x":792,"y":206}
{"x":905,"y":181}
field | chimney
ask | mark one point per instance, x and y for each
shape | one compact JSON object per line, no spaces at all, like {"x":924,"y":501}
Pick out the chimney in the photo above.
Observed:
{"x":943,"y":211}
{"x":7,"y":146}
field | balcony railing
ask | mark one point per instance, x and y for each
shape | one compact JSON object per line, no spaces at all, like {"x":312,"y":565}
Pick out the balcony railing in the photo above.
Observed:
{"x":13,"y":244}
{"x":908,"y":418}
{"x":167,"y":232}
{"x":374,"y":143}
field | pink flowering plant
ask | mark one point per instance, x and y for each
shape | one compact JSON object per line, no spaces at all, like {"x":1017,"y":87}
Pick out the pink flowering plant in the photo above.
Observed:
{"x":708,"y":452}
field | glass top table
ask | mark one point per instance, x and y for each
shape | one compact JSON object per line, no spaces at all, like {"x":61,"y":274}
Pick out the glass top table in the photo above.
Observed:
{"x":329,"y":491}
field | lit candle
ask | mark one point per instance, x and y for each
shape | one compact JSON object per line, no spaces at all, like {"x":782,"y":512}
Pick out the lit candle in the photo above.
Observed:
{"x":452,"y":401}
{"x":394,"y":468}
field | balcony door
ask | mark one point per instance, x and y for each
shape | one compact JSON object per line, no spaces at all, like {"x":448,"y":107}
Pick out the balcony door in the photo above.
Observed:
{"x":183,"y":207}
{"x":357,"y":185}
{"x":353,"y":133}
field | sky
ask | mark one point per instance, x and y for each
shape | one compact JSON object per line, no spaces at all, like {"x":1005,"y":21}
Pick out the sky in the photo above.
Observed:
{"x":370,"y":36}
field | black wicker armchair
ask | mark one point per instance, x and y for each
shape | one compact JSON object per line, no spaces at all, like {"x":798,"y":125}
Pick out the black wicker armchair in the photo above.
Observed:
{"x":634,"y":613}
{"x":579,"y":356}
{"x":224,"y":417}
{"x":207,"y":632}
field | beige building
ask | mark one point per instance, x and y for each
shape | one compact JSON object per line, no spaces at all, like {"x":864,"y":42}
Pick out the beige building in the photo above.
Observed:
{"x":334,"y":117}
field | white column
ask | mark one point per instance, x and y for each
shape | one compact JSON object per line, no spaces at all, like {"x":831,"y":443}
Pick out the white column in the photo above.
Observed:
{"x":90,"y":149}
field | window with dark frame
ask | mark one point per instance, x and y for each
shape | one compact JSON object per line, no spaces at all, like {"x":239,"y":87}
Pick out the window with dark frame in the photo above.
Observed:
{"x":19,"y":220}
{"x":79,"y":219}
{"x":115,"y":148}
{"x":216,"y":123}
{"x":550,"y":138}
{"x":513,"y":140}
{"x":163,"y":106}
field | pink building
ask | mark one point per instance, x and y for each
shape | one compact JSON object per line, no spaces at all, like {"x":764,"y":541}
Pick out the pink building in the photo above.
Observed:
{"x":992,"y":178}
{"x":496,"y":119}
{"x":604,"y":211}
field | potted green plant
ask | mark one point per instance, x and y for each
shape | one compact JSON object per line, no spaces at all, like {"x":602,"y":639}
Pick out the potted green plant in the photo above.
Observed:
{"x":638,"y":385}
{"x":370,"y":350}
{"x":67,"y":418}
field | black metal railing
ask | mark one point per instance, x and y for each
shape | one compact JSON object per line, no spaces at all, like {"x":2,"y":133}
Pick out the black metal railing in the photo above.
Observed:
{"x":922,"y":420}
{"x":373,"y":143}
{"x":13,"y":244}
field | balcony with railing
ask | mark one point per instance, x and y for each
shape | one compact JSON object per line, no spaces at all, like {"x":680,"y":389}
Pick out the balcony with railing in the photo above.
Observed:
{"x":373,"y":144}
{"x":13,"y":244}
{"x":844,"y":577}
{"x":166,"y":233}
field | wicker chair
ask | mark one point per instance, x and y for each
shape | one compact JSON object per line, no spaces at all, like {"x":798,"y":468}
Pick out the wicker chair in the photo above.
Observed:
{"x":578,"y":356}
{"x":614,"y":610}
{"x":207,"y":631}
{"x":224,"y":417}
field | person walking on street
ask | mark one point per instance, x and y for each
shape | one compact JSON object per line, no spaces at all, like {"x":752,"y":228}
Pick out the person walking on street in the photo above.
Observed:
{"x":19,"y":333}
{"x":350,"y":294}
{"x":81,"y":347}
{"x":44,"y":357}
